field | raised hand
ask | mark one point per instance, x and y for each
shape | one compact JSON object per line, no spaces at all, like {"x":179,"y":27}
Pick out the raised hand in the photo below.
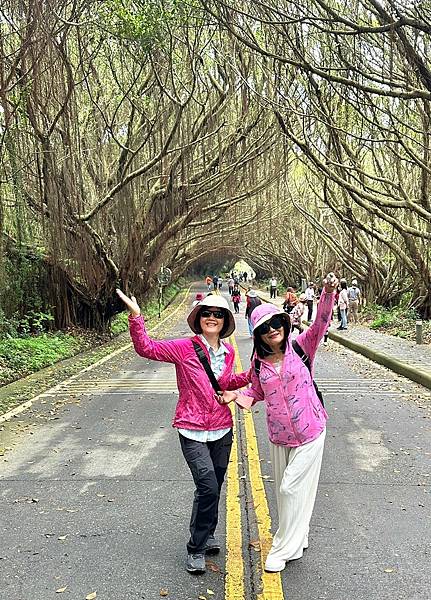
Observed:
{"x":131,"y":303}
{"x":330,"y":282}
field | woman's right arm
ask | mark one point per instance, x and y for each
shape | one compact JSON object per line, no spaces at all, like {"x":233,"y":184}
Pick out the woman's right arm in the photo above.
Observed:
{"x":161,"y":350}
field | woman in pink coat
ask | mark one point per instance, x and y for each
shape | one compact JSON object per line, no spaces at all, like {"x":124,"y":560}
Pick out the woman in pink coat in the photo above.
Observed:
{"x":296,"y":418}
{"x":204,"y":425}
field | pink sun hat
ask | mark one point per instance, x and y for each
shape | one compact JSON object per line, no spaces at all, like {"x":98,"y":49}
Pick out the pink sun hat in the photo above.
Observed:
{"x":263,"y":313}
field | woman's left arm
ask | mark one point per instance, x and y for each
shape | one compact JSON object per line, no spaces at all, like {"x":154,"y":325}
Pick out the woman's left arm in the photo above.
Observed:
{"x":309,"y":339}
{"x":239,"y":380}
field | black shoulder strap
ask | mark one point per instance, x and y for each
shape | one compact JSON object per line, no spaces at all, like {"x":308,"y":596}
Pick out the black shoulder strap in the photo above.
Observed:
{"x":300,"y":352}
{"x":257,"y":366}
{"x":203,"y":359}
{"x":306,"y":360}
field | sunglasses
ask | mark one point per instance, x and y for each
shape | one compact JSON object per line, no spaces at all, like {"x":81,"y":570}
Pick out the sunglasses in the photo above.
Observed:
{"x":273,"y":323}
{"x":218,"y":314}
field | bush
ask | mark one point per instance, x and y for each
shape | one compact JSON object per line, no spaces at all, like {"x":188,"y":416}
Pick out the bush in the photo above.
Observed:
{"x":119,"y":323}
{"x":22,"y":356}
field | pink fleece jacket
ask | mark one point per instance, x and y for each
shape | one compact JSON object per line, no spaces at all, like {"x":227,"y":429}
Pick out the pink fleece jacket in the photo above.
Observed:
{"x":197,"y":407}
{"x":294,"y":413}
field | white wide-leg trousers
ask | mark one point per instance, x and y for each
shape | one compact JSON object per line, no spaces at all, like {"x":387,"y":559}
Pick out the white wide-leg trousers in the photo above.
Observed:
{"x":296,"y":475}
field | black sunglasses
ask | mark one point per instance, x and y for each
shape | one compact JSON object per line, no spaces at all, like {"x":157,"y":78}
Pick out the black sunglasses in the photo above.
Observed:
{"x":274,"y":323}
{"x":218,"y":314}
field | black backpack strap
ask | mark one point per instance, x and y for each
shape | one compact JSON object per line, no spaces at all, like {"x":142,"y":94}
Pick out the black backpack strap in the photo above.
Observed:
{"x":204,"y":361}
{"x":257,"y":366}
{"x":306,"y":360}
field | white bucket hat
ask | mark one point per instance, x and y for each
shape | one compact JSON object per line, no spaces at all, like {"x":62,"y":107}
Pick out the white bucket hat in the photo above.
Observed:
{"x":217,"y":302}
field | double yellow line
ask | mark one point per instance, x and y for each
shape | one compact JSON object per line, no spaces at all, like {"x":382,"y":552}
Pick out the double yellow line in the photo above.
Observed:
{"x":271,"y":588}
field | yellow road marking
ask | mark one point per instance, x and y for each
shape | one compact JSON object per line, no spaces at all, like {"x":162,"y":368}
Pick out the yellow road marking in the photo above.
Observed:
{"x":234,"y":582}
{"x":271,"y":582}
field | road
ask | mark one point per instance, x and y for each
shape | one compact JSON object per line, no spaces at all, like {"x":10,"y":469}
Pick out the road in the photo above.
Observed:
{"x":95,"y":495}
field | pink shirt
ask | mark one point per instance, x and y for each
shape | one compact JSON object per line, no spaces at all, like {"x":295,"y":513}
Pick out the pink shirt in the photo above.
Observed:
{"x":294,"y":413}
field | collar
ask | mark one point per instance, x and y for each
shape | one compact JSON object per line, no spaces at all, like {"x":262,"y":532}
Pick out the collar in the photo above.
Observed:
{"x":222,"y":348}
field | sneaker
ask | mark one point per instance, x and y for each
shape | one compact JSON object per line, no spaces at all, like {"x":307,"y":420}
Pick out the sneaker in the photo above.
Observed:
{"x":213,"y":546}
{"x":196,"y":563}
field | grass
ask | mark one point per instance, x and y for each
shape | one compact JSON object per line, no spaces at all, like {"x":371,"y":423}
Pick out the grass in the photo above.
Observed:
{"x":22,"y":356}
{"x":399,"y":321}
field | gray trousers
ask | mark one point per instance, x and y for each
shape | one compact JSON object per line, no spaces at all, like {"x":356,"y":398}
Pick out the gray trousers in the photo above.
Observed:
{"x":208,"y":463}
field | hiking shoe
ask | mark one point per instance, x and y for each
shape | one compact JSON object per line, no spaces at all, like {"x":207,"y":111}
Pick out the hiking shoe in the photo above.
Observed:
{"x":213,"y":546}
{"x":196,"y":563}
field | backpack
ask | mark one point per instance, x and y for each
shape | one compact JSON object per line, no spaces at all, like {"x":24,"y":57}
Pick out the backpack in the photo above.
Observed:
{"x":252,"y":303}
{"x":305,"y":359}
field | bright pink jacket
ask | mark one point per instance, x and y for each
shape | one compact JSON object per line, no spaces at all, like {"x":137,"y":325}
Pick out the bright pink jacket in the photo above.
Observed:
{"x":197,"y":407}
{"x":294,"y":413}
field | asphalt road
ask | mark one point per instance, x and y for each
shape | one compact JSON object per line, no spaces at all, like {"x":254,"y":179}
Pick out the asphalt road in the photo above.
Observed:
{"x":95,"y":495}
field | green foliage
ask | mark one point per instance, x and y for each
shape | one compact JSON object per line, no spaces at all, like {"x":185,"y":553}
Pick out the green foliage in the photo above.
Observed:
{"x":21,"y":289}
{"x":34,"y":322}
{"x":146,"y":22}
{"x":119,"y":323}
{"x":26,"y":355}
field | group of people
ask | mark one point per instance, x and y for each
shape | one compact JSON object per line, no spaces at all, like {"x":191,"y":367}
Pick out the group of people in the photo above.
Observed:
{"x":347,"y":301}
{"x":280,"y":376}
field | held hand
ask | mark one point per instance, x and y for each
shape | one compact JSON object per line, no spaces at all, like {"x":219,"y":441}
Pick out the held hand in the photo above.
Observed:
{"x":330,"y":282}
{"x":227,"y":397}
{"x":131,"y":303}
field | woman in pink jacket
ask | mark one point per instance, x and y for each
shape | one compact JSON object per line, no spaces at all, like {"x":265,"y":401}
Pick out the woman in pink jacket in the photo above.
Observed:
{"x":295,"y":415}
{"x":204,"y":425}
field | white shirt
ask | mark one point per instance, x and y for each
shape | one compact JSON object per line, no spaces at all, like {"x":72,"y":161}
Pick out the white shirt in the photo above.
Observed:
{"x":217,"y":360}
{"x":273,"y":282}
{"x":309,"y":293}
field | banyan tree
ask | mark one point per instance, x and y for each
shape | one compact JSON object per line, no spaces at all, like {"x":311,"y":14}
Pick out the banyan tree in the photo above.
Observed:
{"x":138,"y":134}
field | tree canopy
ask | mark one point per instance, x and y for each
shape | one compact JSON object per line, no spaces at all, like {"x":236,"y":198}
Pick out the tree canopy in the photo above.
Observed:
{"x":140,"y":134}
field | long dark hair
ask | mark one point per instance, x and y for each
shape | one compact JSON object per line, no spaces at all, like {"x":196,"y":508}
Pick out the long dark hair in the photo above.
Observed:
{"x":225,"y":321}
{"x":262,"y":349}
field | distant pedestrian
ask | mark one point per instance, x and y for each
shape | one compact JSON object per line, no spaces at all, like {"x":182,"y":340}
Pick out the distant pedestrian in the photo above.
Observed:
{"x":297,"y":312}
{"x":208,"y":282}
{"x":236,"y":298}
{"x":273,"y":287}
{"x":296,"y":418}
{"x":309,"y":299}
{"x":204,"y":425}
{"x":230,"y":285}
{"x":253,"y":301}
{"x":199,"y":296}
{"x":220,"y":283}
{"x":290,"y":300}
{"x":215,"y":282}
{"x":354,"y":295}
{"x":244,"y":276}
{"x":343,"y":304}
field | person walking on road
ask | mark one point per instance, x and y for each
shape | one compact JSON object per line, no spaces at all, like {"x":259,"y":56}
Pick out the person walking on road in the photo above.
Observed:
{"x":309,"y":299}
{"x":290,"y":300}
{"x":215,"y":282}
{"x":297,"y":312}
{"x":253,"y":301}
{"x":354,"y":296}
{"x":343,"y":304}
{"x":231,"y":284}
{"x":273,"y":287}
{"x":296,"y":418}
{"x":208,"y":282}
{"x":236,"y":298}
{"x":204,"y":425}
